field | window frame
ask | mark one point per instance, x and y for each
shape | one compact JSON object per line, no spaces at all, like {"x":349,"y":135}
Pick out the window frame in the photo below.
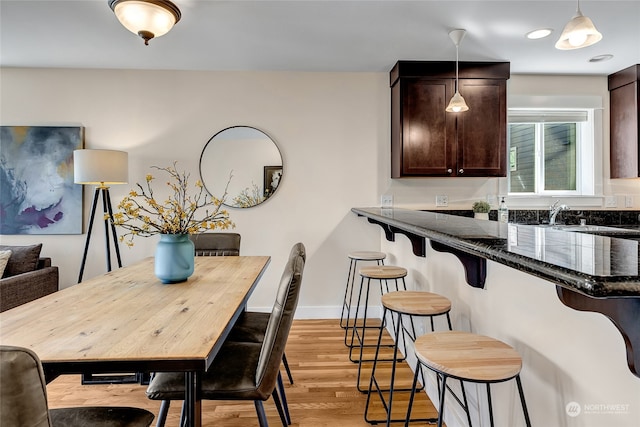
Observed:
{"x":585,"y":151}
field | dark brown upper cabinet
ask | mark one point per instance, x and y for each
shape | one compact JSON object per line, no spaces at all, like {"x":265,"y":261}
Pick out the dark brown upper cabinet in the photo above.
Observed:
{"x":427,"y":141}
{"x":624,"y":96}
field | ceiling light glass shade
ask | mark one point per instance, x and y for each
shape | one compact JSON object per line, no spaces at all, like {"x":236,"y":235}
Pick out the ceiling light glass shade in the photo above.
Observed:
{"x":579,"y":32}
{"x":146,"y":18}
{"x":100,"y":167}
{"x":457,"y":104}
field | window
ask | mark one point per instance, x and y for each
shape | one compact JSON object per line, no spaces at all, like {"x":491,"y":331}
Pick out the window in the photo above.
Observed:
{"x":551,"y":152}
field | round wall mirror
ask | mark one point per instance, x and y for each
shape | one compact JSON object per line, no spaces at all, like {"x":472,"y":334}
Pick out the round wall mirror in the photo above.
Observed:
{"x":250,"y":157}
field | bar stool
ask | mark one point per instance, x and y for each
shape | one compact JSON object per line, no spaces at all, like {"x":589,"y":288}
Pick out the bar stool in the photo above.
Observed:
{"x":382,"y":273}
{"x":354,"y":258}
{"x":467,"y":357}
{"x":411,"y":304}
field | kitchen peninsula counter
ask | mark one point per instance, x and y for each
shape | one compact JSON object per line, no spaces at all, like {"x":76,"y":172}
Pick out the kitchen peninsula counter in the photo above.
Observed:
{"x":594,"y":265}
{"x":591,"y":272}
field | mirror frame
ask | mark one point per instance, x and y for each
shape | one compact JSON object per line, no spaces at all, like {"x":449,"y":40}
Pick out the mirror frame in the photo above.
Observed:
{"x":266,"y":172}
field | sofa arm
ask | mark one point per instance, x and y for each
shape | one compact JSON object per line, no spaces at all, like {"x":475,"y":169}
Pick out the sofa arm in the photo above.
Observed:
{"x":23,"y":288}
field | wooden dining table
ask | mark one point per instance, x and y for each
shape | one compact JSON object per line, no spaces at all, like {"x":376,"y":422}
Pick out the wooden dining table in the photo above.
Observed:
{"x":128,"y":321}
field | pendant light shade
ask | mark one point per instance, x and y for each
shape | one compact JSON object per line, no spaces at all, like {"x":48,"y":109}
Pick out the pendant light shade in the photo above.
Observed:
{"x":457,"y":103}
{"x":146,"y":18}
{"x":579,"y":32}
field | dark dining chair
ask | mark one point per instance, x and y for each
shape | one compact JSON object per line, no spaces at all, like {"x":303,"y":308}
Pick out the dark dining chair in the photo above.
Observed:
{"x":23,"y":399}
{"x":216,"y":244}
{"x":251,"y":325}
{"x":246,"y":370}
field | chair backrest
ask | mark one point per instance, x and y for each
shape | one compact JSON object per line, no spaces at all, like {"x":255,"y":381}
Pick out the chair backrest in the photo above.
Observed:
{"x":280,"y":320}
{"x":23,"y":391}
{"x":216,"y":244}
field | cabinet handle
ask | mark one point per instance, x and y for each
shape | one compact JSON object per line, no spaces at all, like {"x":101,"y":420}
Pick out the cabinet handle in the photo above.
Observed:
{"x":449,"y":170}
{"x":461,"y":171}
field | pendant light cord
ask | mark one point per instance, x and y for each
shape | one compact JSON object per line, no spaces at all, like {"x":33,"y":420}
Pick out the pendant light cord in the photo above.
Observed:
{"x":457,"y":67}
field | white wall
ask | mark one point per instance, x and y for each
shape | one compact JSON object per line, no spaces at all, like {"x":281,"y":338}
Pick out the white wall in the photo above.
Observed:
{"x":329,"y":127}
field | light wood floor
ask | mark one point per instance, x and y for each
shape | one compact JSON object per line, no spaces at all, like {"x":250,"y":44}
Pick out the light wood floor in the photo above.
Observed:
{"x":324,"y":392}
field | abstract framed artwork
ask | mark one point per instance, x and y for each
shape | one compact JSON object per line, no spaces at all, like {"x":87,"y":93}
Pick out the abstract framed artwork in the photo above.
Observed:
{"x":37,"y":192}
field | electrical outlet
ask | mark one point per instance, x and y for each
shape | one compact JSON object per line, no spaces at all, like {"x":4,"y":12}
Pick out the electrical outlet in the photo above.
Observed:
{"x":628,"y":201}
{"x":442,"y":201}
{"x":610,"y":202}
{"x":386,"y":201}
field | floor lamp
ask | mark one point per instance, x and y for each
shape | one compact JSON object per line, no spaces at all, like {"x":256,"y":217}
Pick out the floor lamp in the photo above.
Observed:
{"x":101,"y":168}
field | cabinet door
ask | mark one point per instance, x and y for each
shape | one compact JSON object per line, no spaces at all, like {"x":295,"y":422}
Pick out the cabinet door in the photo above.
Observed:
{"x":427,"y":131}
{"x":482,"y":131}
{"x":625,"y":126}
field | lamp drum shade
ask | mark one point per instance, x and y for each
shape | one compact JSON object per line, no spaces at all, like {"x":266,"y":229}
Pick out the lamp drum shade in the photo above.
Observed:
{"x":100,"y":167}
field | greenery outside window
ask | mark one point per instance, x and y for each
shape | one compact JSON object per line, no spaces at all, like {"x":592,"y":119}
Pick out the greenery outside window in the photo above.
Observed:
{"x":551,"y":152}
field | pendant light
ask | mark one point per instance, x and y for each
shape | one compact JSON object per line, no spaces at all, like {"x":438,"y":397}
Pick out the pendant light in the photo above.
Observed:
{"x":579,"y":32}
{"x":457,"y":103}
{"x":146,"y":18}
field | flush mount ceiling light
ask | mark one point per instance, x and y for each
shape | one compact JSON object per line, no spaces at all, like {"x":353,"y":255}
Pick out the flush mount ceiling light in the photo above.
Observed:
{"x":579,"y":32}
{"x":146,"y":18}
{"x":538,"y":34}
{"x":457,"y":103}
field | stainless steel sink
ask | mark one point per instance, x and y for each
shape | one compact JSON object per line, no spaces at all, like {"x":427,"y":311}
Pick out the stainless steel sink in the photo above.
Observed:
{"x":603,"y":230}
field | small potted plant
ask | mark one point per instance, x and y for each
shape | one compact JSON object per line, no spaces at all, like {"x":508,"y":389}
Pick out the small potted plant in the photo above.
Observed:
{"x":481,"y":210}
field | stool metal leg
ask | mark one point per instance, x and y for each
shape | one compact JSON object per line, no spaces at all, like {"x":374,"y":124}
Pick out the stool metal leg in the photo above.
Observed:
{"x":490,"y":406}
{"x":373,"y":380}
{"x":524,"y":404}
{"x":348,"y":290}
{"x":441,"y":404}
{"x":388,"y":406}
{"x":355,"y":330}
{"x":413,"y":393}
{"x":466,"y":403}
{"x":347,"y":303}
{"x":393,"y":368}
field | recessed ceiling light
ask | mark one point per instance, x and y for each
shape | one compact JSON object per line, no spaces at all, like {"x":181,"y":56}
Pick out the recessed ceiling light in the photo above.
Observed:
{"x":538,"y":34}
{"x":601,"y":58}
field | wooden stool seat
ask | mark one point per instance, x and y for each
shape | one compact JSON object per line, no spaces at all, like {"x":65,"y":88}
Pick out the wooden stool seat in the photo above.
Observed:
{"x":468,"y":356}
{"x":383,"y":272}
{"x":416,"y":303}
{"x":367,"y":256}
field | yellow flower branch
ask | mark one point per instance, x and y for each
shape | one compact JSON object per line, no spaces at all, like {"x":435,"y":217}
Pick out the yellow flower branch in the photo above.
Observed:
{"x":140,"y":214}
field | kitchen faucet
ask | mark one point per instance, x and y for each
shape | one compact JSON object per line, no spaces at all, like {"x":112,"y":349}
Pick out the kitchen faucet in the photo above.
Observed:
{"x":554,"y":210}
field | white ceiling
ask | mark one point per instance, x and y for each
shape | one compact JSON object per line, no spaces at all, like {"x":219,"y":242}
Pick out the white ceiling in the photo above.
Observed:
{"x":309,"y":35}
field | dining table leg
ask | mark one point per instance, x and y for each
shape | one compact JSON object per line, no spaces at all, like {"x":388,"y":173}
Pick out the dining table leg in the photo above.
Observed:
{"x":192,"y":400}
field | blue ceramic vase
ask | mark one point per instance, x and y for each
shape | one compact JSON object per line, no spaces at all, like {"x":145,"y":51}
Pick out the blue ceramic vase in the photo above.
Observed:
{"x":174,"y":258}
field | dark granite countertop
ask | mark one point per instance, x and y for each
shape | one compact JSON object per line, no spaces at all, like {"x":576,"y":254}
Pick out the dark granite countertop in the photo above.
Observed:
{"x":596,"y":265}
